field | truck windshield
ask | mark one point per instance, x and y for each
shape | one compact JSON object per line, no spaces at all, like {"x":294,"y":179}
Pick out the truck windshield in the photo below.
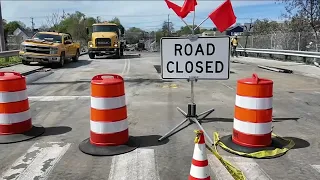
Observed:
{"x":48,"y":37}
{"x":105,"y":28}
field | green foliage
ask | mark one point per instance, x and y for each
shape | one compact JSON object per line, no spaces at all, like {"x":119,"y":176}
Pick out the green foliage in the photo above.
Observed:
{"x":10,"y":27}
{"x":185,"y":30}
{"x":134,"y":34}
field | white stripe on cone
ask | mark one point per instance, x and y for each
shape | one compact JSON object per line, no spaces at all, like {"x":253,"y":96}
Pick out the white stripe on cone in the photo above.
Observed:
{"x":199,"y":172}
{"x":199,"y":152}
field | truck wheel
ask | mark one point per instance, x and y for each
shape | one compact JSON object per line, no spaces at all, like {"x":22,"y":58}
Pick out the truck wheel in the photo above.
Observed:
{"x":76,"y":57}
{"x":121,"y":51}
{"x":25,"y":62}
{"x":62,"y":60}
{"x":91,"y":55}
{"x":118,"y":54}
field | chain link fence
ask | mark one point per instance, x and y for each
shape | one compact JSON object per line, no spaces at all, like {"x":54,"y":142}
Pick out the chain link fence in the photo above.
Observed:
{"x":298,"y":41}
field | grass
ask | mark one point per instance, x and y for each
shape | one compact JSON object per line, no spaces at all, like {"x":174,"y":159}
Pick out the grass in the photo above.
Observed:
{"x":12,"y":60}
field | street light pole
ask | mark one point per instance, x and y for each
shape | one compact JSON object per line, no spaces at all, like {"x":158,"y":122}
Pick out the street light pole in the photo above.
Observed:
{"x":2,"y":42}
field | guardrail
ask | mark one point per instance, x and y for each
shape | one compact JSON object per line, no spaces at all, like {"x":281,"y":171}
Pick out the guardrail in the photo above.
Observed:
{"x":9,"y":53}
{"x":286,"y":53}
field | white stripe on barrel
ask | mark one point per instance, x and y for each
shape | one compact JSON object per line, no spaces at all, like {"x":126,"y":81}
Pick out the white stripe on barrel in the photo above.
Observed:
{"x":108,"y":103}
{"x":8,"y":97}
{"x":108,"y":127}
{"x":14,"y":117}
{"x":253,"y":103}
{"x":252,"y":128}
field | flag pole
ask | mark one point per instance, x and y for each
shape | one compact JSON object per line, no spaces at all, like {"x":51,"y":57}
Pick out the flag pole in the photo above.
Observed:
{"x":201,"y":23}
{"x":194,"y":17}
{"x":186,"y":23}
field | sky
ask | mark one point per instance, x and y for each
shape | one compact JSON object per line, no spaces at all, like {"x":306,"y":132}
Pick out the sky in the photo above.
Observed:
{"x":148,"y":15}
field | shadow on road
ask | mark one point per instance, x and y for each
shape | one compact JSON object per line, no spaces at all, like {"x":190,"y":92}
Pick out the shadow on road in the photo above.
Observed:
{"x":299,"y":143}
{"x":126,"y":56}
{"x":285,"y":119}
{"x":131,"y":80}
{"x":150,"y":140}
{"x":57,"y":130}
{"x":76,"y":64}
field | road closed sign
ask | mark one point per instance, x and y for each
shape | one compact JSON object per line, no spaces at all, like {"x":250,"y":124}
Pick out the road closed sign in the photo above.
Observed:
{"x":204,"y":58}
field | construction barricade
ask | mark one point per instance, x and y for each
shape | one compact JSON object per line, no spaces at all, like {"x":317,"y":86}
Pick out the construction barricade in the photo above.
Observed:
{"x":252,"y":126}
{"x":15,"y":116}
{"x":109,"y":131}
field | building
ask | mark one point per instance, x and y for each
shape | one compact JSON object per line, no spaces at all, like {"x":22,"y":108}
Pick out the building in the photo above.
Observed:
{"x":17,"y":37}
{"x":236,"y":30}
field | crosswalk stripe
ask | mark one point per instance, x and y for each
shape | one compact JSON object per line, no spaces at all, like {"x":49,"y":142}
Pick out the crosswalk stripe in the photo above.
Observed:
{"x":316,"y":167}
{"x":249,"y":167}
{"x":220,"y":172}
{"x":136,"y":165}
{"x":38,"y":162}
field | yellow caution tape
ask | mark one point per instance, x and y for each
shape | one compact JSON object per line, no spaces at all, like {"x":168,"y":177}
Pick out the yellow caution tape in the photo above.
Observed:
{"x":259,"y":154}
{"x":235,"y":172}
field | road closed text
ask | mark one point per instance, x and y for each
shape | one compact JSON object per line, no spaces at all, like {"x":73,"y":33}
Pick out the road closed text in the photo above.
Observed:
{"x":191,"y":67}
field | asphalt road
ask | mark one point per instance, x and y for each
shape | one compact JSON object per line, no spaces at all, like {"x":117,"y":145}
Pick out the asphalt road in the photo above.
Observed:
{"x":60,"y":101}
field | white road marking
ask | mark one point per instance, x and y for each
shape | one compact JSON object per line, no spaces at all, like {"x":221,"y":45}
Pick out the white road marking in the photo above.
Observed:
{"x":249,"y":167}
{"x":37,"y":163}
{"x":126,"y":67}
{"x":316,"y":167}
{"x":136,"y":165}
{"x":227,"y":86}
{"x":220,"y":172}
{"x":58,"y":98}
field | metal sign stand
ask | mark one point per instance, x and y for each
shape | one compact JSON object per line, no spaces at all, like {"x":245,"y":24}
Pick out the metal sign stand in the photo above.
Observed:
{"x":192,"y":115}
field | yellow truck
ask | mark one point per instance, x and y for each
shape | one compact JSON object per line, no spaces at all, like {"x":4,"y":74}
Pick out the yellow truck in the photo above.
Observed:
{"x":106,"y":39}
{"x":49,"y":48}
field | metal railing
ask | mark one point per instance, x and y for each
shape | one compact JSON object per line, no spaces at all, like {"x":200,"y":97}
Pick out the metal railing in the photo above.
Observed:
{"x":9,"y":53}
{"x":303,"y":54}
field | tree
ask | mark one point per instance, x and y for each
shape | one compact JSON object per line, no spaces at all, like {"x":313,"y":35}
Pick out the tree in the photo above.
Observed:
{"x":263,"y":27}
{"x":133,"y":35}
{"x":117,"y":21}
{"x":11,"y":26}
{"x":185,"y":30}
{"x":167,"y":26}
{"x":306,"y":10}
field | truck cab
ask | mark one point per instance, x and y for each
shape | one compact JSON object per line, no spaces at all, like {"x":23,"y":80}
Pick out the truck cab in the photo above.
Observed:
{"x":49,"y":48}
{"x":106,"y":39}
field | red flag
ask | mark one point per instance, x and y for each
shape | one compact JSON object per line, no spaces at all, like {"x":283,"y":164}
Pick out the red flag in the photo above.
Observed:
{"x":188,"y":6}
{"x":223,"y":17}
{"x":178,"y":10}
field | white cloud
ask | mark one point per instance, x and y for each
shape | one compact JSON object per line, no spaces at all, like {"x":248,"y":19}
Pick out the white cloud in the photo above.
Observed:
{"x":146,"y":14}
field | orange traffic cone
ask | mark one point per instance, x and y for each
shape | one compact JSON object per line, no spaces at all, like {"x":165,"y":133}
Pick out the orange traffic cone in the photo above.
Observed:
{"x":199,"y":166}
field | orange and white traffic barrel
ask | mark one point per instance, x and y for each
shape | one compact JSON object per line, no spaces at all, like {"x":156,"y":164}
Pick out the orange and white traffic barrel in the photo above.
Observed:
{"x":252,"y":123}
{"x":109,"y":129}
{"x":15,"y":116}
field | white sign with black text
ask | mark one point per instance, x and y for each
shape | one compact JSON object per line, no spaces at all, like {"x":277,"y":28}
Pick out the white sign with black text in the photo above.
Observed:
{"x":204,"y":58}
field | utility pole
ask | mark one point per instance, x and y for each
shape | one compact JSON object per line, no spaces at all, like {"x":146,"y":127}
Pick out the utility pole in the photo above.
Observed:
{"x":32,"y":25}
{"x":2,"y":42}
{"x":248,"y":31}
{"x":168,"y":24}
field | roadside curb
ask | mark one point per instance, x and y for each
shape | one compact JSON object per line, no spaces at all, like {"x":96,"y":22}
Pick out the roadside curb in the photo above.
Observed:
{"x":33,"y":70}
